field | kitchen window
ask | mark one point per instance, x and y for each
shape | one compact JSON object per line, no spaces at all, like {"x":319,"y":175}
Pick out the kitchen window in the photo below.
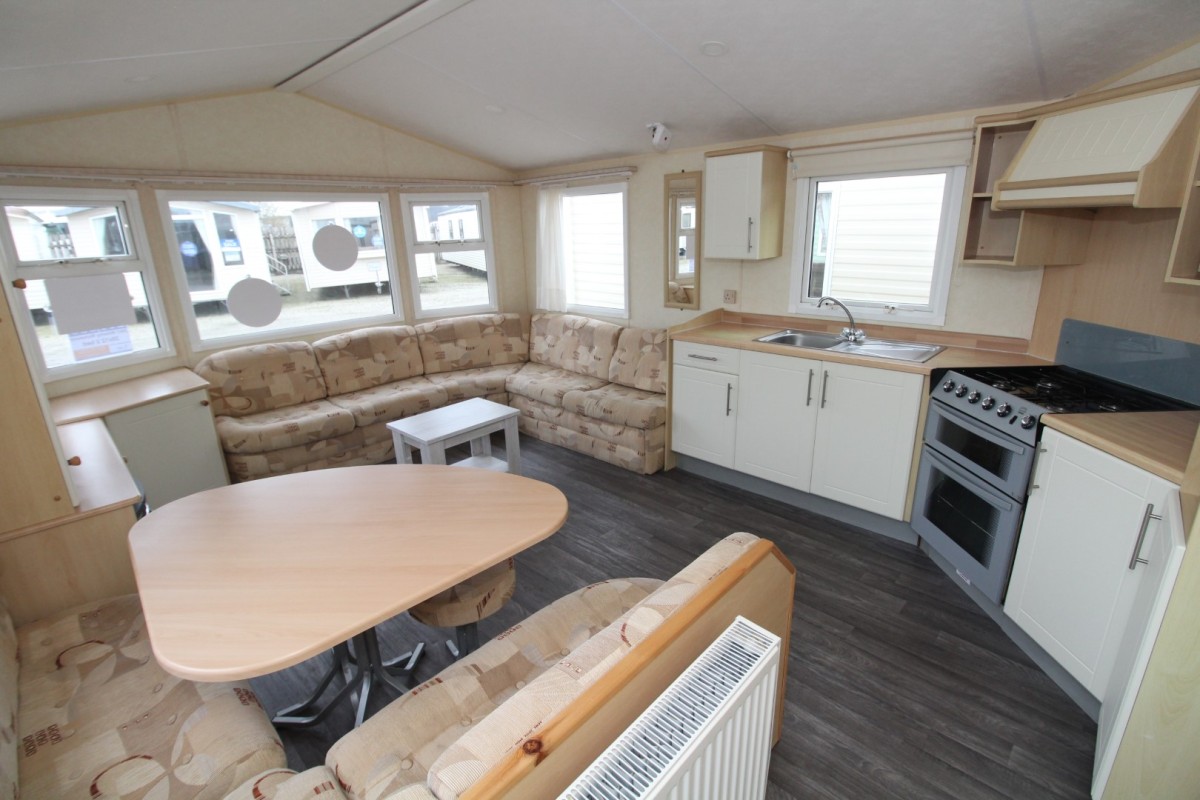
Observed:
{"x":449,"y":242}
{"x":582,"y":252}
{"x":252,"y":266}
{"x":881,"y":243}
{"x":79,"y":280}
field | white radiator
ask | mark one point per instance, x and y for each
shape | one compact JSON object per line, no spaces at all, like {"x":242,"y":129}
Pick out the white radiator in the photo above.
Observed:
{"x":707,"y":736}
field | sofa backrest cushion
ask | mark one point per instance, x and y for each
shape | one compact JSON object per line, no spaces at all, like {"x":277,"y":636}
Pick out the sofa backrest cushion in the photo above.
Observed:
{"x":520,"y":717}
{"x":8,"y":704}
{"x":368,"y":357}
{"x":640,"y":360}
{"x":574,"y":343}
{"x":262,"y":377}
{"x":481,"y":340}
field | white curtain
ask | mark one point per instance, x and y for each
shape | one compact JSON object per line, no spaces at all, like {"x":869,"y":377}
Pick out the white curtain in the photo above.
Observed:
{"x":551,"y":260}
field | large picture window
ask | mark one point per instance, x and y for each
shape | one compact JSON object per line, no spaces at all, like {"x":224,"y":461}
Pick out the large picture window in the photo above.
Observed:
{"x":256,"y":265}
{"x":883,"y":244}
{"x":449,"y":241}
{"x":78,"y":276}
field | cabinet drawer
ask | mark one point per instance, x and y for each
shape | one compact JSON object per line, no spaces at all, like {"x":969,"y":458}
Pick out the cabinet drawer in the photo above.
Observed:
{"x":705,"y":356}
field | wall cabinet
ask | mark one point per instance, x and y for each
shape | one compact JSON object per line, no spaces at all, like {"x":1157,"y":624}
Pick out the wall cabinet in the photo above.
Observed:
{"x":743,"y":203}
{"x":837,"y":430}
{"x":1075,"y":575}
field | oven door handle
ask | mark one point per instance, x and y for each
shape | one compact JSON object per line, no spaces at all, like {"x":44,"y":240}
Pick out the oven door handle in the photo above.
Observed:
{"x":1001,"y":501}
{"x":977,"y":428}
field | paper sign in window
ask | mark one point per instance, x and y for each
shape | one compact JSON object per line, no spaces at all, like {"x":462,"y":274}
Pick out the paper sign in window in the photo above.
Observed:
{"x":90,"y":302}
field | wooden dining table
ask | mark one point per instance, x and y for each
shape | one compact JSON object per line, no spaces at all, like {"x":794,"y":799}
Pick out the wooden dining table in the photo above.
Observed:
{"x":248,"y":579}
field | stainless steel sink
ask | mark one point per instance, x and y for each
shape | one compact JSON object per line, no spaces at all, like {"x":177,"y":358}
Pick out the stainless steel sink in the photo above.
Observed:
{"x":814,"y":340}
{"x":872,"y":348}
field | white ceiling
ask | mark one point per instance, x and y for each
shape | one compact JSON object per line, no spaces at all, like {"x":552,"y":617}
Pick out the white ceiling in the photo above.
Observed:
{"x":532,"y":83}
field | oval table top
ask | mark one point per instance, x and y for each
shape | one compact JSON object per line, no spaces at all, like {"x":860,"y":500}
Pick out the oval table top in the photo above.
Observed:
{"x":248,"y":579}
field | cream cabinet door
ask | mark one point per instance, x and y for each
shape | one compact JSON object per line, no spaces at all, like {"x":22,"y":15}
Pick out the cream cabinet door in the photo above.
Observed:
{"x":866,"y":431}
{"x":704,"y":413}
{"x":732,"y":197}
{"x":777,"y":417}
{"x":1075,"y":581}
{"x":171,"y":446}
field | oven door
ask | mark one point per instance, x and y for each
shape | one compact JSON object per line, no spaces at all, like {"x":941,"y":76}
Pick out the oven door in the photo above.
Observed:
{"x":967,"y":522}
{"x":999,"y":460}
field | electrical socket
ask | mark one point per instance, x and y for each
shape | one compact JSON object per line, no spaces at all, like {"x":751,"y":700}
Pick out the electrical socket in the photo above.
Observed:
{"x":731,"y":295}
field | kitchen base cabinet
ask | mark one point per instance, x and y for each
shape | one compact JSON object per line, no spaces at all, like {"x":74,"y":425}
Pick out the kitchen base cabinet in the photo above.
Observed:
{"x":1076,"y":573}
{"x":866,"y":431}
{"x":704,"y":397}
{"x":171,"y":446}
{"x":777,"y":418}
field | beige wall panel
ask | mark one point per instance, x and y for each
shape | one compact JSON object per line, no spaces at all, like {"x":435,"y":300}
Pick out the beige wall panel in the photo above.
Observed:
{"x":141,"y":138}
{"x":974,"y":291}
{"x":509,"y":249}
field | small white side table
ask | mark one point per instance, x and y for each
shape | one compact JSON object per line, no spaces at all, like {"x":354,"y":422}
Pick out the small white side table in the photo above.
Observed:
{"x":471,"y":421}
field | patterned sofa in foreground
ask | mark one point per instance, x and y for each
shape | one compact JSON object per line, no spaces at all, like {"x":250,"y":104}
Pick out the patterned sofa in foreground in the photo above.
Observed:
{"x":581,"y":383}
{"x":525,"y":713}
{"x":86,"y":712}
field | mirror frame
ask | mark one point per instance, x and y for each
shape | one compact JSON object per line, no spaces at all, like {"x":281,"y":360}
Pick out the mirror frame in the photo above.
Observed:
{"x":671,"y":239}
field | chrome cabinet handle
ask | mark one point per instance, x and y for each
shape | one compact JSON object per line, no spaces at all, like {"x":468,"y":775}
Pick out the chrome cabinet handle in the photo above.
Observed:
{"x":702,"y":358}
{"x":808,"y":402}
{"x":728,"y":396}
{"x":1136,"y":559}
{"x":824,"y":385}
{"x":749,"y":234}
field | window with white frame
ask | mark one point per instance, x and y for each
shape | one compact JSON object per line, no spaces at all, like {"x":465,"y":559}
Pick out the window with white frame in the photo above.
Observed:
{"x":254,"y":265}
{"x":582,"y":251}
{"x":881,"y":243}
{"x":77,"y":270}
{"x":449,"y":243}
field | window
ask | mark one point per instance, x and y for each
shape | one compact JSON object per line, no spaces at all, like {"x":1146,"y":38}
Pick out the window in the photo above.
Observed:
{"x":254,"y":265}
{"x":89,"y":299}
{"x":449,"y":241}
{"x":883,"y":244}
{"x":582,"y":250}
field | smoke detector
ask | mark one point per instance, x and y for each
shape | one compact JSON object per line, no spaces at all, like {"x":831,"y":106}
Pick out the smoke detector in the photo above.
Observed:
{"x":660,"y":136}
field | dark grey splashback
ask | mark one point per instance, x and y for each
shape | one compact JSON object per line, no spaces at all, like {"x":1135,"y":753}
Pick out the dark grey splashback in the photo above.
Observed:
{"x":1156,"y":364}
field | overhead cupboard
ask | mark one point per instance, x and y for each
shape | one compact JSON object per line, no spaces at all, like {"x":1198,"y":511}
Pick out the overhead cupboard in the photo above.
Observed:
{"x":840,"y":431}
{"x":743,"y":202}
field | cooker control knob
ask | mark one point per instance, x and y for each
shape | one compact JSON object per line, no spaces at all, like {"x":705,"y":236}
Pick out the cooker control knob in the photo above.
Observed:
{"x":987,"y":404}
{"x":1003,"y":410}
{"x":973,"y":397}
{"x":961,"y":390}
{"x":1028,"y":421}
{"x":948,"y":386}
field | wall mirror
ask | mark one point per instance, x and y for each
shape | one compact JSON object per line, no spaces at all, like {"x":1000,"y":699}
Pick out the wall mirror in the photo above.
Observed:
{"x":683,"y":239}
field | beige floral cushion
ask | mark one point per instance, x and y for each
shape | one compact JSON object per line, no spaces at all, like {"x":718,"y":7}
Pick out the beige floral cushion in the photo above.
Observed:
{"x":318,"y":783}
{"x":573,"y":343}
{"x":99,"y":717}
{"x":391,"y":401}
{"x":8,"y":705}
{"x":482,"y":340}
{"x":471,"y":755}
{"x":394,"y":749}
{"x":548,"y":384}
{"x":463,"y":384}
{"x":474,"y":599}
{"x":640,"y":360}
{"x":283,"y":427}
{"x":368,"y":357}
{"x":262,"y":377}
{"x":621,"y":405}
{"x":360,"y":446}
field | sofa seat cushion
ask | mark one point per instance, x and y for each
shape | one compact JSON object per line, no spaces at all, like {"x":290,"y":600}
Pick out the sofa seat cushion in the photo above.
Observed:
{"x":629,"y":448}
{"x":479,"y":340}
{"x":368,"y":357}
{"x":472,"y":600}
{"x":396,"y":747}
{"x":525,"y":712}
{"x":619,"y":405}
{"x":614,"y":433}
{"x":100,"y":718}
{"x":573,"y":343}
{"x":283,"y":427}
{"x":640,"y":360}
{"x":479,"y":382}
{"x":262,"y":377}
{"x":359,"y":446}
{"x":391,"y":401}
{"x":549,"y":384}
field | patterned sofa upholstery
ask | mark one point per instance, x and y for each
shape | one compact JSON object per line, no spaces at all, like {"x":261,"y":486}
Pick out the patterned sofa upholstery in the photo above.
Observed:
{"x":86,"y":712}
{"x":442,"y":737}
{"x":578,"y":382}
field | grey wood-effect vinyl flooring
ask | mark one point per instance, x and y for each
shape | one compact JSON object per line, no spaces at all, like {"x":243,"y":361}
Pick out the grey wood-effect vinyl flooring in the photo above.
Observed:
{"x":898,"y":686}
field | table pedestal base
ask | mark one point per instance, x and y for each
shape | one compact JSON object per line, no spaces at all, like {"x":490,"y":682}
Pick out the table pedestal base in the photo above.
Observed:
{"x":358,"y":673}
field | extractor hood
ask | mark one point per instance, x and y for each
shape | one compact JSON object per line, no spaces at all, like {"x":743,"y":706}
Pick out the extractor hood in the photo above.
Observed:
{"x":1114,"y":148}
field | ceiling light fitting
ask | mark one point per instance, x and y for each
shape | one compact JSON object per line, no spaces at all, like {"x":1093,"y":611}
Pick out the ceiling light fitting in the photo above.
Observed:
{"x":714,"y":49}
{"x":660,"y":136}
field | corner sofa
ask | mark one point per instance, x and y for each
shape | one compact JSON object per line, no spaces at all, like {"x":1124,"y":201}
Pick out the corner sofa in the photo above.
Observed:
{"x":525,"y":713}
{"x":581,"y":383}
{"x":86,"y":712}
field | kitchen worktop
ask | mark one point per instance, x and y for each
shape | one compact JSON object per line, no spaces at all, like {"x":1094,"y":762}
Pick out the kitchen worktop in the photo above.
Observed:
{"x":1159,"y":442}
